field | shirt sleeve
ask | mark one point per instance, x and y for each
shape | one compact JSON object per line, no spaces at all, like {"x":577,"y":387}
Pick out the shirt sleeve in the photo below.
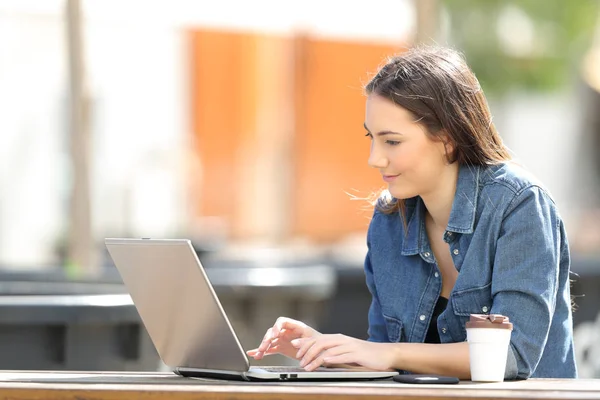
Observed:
{"x":377,"y":329}
{"x":525,"y":276}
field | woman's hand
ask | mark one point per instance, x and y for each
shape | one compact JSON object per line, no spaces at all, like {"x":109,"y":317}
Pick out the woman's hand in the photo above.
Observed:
{"x":278,"y":339}
{"x":331,"y":350}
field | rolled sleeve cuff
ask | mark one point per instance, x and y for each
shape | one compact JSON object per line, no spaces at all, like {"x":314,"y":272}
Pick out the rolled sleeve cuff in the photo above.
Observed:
{"x":512,"y":371}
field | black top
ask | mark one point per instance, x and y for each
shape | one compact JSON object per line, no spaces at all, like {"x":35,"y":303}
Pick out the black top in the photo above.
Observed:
{"x":432,"y":333}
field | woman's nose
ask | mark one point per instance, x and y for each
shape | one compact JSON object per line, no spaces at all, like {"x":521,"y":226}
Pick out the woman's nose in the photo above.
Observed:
{"x":377,"y":159}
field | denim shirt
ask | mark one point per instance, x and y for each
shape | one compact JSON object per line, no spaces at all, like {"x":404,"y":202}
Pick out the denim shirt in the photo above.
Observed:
{"x":509,"y":246}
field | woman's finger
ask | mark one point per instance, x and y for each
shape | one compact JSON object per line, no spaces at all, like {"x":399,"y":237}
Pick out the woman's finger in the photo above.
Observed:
{"x":274,"y":349}
{"x":323,"y":358}
{"x":316,"y":348}
{"x":264,"y":345}
{"x":305,"y":345}
{"x":344,"y":358}
{"x":287,"y":324}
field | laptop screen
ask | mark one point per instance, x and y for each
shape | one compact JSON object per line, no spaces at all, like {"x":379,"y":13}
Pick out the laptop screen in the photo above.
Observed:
{"x":177,"y":304}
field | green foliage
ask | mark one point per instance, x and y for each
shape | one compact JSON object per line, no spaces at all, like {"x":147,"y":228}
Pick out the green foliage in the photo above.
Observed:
{"x":562,"y":32}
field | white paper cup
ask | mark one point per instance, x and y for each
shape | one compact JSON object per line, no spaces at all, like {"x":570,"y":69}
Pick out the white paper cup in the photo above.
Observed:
{"x":488,"y":349}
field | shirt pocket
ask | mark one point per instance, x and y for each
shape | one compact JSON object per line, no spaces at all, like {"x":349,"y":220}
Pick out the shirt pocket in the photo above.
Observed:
{"x":394,"y":329}
{"x":470,"y":301}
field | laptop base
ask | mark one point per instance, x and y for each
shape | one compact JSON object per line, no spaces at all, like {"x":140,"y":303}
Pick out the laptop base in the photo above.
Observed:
{"x":285,"y":374}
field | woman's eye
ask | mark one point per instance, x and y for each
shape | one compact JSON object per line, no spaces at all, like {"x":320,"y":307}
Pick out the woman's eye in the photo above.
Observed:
{"x":392,"y":142}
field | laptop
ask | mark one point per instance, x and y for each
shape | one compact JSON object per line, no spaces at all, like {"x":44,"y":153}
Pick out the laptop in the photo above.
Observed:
{"x":185,"y":320}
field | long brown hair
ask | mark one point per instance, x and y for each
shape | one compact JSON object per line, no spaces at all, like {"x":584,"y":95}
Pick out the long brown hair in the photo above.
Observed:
{"x":436,"y":85}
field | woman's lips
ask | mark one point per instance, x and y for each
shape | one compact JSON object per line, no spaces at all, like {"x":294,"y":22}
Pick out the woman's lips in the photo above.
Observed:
{"x":390,"y":178}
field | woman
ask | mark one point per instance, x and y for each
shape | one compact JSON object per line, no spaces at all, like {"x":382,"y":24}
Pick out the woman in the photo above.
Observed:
{"x":461,"y":230}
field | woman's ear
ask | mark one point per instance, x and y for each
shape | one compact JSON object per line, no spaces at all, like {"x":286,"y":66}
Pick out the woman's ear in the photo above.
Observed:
{"x":449,"y":147}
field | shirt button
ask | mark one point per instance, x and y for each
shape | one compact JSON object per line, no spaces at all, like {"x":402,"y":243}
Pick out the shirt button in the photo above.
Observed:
{"x":422,"y":318}
{"x":484,"y":309}
{"x":455,"y":252}
{"x":426,"y":254}
{"x":444,"y":330}
{"x":436,"y":274}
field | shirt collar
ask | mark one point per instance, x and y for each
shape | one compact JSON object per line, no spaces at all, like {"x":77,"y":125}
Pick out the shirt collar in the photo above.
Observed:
{"x":464,"y":206}
{"x":462,"y":215}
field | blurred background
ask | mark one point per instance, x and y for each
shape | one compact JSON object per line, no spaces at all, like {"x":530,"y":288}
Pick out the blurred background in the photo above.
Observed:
{"x":238,"y":125}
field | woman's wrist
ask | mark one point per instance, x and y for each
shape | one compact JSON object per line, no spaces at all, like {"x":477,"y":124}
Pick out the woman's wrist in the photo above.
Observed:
{"x":428,"y":358}
{"x":400,"y":353}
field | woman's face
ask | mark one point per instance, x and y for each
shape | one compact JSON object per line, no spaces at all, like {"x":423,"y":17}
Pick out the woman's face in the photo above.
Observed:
{"x":409,"y":161}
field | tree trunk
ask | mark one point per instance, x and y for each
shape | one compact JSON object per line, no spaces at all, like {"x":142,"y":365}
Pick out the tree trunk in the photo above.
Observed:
{"x":80,"y":252}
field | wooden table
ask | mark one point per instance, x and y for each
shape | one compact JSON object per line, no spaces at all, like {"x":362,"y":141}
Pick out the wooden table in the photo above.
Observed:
{"x":126,"y":385}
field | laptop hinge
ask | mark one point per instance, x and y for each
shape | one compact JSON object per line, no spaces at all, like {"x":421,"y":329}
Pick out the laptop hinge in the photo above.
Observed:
{"x":210,"y":373}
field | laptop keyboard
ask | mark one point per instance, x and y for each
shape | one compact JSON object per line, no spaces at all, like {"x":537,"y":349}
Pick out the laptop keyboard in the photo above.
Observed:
{"x":298,"y":369}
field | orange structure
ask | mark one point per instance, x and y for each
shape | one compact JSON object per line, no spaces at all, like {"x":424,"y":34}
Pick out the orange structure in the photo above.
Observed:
{"x":277,"y":123}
